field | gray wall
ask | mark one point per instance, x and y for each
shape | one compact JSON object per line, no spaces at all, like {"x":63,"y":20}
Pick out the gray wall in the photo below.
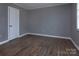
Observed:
{"x":51,"y":20}
{"x":23,"y":21}
{"x":3,"y":22}
{"x":75,"y":32}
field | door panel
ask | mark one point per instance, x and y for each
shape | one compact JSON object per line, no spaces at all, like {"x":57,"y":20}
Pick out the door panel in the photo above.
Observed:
{"x":13,"y":23}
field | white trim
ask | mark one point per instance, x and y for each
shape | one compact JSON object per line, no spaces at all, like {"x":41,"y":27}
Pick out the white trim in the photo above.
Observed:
{"x":23,"y":34}
{"x":74,"y":44}
{"x":50,"y":35}
{"x":3,"y":42}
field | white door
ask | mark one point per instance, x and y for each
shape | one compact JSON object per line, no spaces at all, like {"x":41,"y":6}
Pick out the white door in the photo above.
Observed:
{"x":13,"y":23}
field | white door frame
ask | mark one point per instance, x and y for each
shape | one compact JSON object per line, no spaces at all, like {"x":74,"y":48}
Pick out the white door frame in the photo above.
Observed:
{"x":8,"y":23}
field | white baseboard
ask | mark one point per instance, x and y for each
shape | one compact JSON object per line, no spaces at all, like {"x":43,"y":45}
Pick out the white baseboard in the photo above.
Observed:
{"x":75,"y":44}
{"x":4,"y":42}
{"x":23,"y":34}
{"x":50,"y":35}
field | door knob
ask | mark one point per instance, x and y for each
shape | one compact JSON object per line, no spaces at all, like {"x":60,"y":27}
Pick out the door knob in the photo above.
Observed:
{"x":10,"y":25}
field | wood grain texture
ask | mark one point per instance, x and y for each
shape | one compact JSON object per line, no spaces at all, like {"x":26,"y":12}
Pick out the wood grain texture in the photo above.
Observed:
{"x":31,"y":45}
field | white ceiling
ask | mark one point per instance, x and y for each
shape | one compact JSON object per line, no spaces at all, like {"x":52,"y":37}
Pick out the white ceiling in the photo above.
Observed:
{"x":30,"y":6}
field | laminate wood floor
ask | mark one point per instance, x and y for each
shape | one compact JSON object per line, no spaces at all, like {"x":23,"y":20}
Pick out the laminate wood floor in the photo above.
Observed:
{"x":31,"y":45}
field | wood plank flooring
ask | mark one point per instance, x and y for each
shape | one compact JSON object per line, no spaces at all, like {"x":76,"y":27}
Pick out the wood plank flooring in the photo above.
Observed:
{"x":31,"y":45}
